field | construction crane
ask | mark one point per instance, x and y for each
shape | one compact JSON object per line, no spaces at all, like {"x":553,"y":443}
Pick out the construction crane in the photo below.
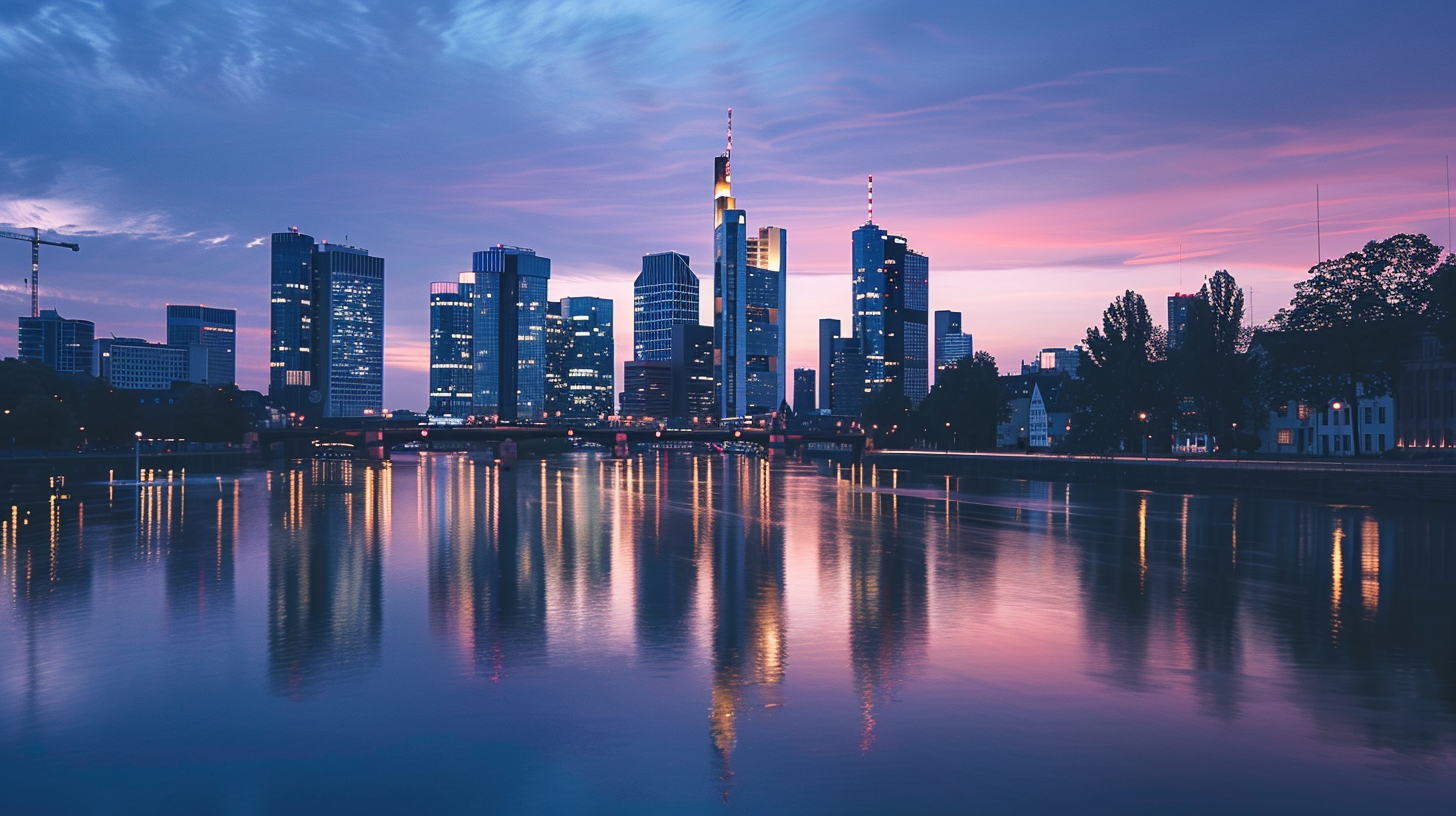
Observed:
{"x":35,"y":242}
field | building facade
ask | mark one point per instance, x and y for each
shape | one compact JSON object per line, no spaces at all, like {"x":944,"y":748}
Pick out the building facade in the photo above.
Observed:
{"x":891,"y":298}
{"x":1427,"y":390}
{"x":647,"y":389}
{"x":137,"y":365}
{"x":452,"y":348}
{"x":591,"y":363}
{"x":217,"y":329}
{"x":694,"y":397}
{"x":664,"y":295}
{"x":848,"y":378}
{"x":804,"y":396}
{"x":1178,"y":307}
{"x":951,"y":343}
{"x":326,"y":347}
{"x":509,"y":291}
{"x":828,"y":333}
{"x":66,"y":346}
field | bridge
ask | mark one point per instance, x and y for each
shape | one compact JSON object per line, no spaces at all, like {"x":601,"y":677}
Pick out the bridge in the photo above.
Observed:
{"x":376,"y":440}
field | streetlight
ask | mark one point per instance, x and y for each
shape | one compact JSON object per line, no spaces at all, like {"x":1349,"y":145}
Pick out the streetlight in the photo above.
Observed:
{"x":1236,"y":441}
{"x":1143,"y":418}
{"x":139,"y":457}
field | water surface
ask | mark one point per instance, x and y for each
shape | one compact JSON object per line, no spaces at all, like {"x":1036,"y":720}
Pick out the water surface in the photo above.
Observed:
{"x":709,"y":635}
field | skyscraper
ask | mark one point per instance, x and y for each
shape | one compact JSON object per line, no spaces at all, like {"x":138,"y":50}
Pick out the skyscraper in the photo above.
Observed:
{"x":558,"y":358}
{"x":694,"y":397}
{"x":214,"y":328}
{"x":590,"y":361}
{"x":1178,"y":306}
{"x":848,"y":377}
{"x":349,"y":353}
{"x":749,"y":288}
{"x":951,"y":344}
{"x":891,"y":290}
{"x":67,"y":346}
{"x":647,"y":389}
{"x":452,"y":348}
{"x":326,"y":351}
{"x":664,"y":295}
{"x":803,"y":390}
{"x":510,"y":333}
{"x":828,"y":333}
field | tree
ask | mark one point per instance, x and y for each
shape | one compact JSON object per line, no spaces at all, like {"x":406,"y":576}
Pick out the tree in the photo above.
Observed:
{"x":963,"y":408}
{"x":1211,"y":369}
{"x":1123,"y":393}
{"x":887,"y":419}
{"x":1387,"y":280}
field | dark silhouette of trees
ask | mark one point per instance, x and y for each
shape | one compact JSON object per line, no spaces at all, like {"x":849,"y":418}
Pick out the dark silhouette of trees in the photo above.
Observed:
{"x":1122,"y":390}
{"x":963,"y":408}
{"x":1211,"y":369}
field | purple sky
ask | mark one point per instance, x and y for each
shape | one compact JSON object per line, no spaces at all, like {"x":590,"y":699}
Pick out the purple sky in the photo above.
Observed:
{"x":1045,"y":156}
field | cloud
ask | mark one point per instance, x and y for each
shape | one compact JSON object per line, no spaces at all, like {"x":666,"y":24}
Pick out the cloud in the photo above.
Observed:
{"x":256,"y":242}
{"x":77,"y":217}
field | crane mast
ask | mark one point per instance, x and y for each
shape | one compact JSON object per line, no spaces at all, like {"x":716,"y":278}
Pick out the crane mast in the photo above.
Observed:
{"x":35,"y":241}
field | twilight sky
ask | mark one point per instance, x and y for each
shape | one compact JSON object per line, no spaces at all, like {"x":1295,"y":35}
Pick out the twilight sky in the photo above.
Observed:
{"x":1046,"y":156}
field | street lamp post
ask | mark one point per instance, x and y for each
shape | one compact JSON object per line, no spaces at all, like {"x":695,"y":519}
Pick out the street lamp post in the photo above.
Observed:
{"x":138,"y":457}
{"x":1236,"y":441}
{"x":1143,"y":418}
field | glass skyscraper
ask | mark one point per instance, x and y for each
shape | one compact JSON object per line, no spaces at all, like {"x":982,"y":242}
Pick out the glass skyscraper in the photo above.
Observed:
{"x":558,"y":354}
{"x":350,"y":329}
{"x":664,"y":295}
{"x":217,"y":329}
{"x":590,"y":361}
{"x":891,"y":288}
{"x":951,"y":344}
{"x":749,"y":307}
{"x":510,"y":333}
{"x":452,"y":348}
{"x":326,"y":350}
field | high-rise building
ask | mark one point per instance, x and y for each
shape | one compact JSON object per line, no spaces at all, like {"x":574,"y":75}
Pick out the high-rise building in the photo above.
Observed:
{"x":1060,"y":360}
{"x":510,"y":333}
{"x":349,"y":353}
{"x":558,"y":360}
{"x":951,"y":344}
{"x":326,"y":355}
{"x":647,"y":389}
{"x":749,"y":307}
{"x":849,"y":377}
{"x":664,"y":295}
{"x":828,"y":333}
{"x":452,"y":348}
{"x":591,"y":360}
{"x":803,"y":390}
{"x":1178,"y":307}
{"x":217,"y":329}
{"x":694,"y":397}
{"x":61,"y":344}
{"x":891,"y":291}
{"x":137,"y":365}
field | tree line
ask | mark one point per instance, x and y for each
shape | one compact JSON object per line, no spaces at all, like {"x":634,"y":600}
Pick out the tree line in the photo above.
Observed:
{"x":1352,"y":322}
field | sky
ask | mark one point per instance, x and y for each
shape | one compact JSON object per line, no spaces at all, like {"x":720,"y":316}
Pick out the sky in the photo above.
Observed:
{"x":1046,"y":156}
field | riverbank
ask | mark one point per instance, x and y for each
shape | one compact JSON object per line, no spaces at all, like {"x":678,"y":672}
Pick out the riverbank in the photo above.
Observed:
{"x":28,"y":471}
{"x":1330,"y":479}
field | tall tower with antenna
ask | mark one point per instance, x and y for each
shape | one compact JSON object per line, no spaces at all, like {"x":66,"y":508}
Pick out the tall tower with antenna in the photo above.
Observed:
{"x":889,"y":309}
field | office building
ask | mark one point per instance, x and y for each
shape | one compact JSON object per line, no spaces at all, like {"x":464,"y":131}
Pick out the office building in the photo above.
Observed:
{"x":694,"y":397}
{"x":58,"y":343}
{"x":749,"y":289}
{"x":647,"y":389}
{"x":664,"y":295}
{"x":326,"y":350}
{"x":804,"y":401}
{"x":1060,"y":360}
{"x":510,"y":333}
{"x":137,"y":365}
{"x":217,"y":329}
{"x":848,"y":377}
{"x":452,"y":348}
{"x":828,"y":333}
{"x":891,"y":293}
{"x":951,"y":344}
{"x":591,"y":363}
{"x":558,"y":355}
{"x":1178,"y":308}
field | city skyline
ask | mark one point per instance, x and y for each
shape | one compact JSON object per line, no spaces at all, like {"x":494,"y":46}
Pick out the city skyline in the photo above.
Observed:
{"x":1039,"y":184}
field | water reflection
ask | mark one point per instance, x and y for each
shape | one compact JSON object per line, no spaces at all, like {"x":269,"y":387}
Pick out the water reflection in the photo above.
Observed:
{"x":838,"y":599}
{"x":327,"y":526}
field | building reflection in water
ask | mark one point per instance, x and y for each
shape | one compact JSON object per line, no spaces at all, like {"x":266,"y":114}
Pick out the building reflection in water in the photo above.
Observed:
{"x":666,"y":558}
{"x":328,"y":522}
{"x":487,"y":574}
{"x":749,"y":644}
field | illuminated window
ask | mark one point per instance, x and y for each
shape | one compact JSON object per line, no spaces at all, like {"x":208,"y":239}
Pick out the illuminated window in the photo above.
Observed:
{"x":1286,"y":436}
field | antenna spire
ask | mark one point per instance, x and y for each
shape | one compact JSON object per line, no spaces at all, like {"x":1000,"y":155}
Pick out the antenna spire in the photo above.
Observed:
{"x":1318,"y":246}
{"x":871,"y":200}
{"x":1449,"y":248}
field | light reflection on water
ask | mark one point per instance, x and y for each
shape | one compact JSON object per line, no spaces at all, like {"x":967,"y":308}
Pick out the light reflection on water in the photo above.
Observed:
{"x":689,"y":632}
